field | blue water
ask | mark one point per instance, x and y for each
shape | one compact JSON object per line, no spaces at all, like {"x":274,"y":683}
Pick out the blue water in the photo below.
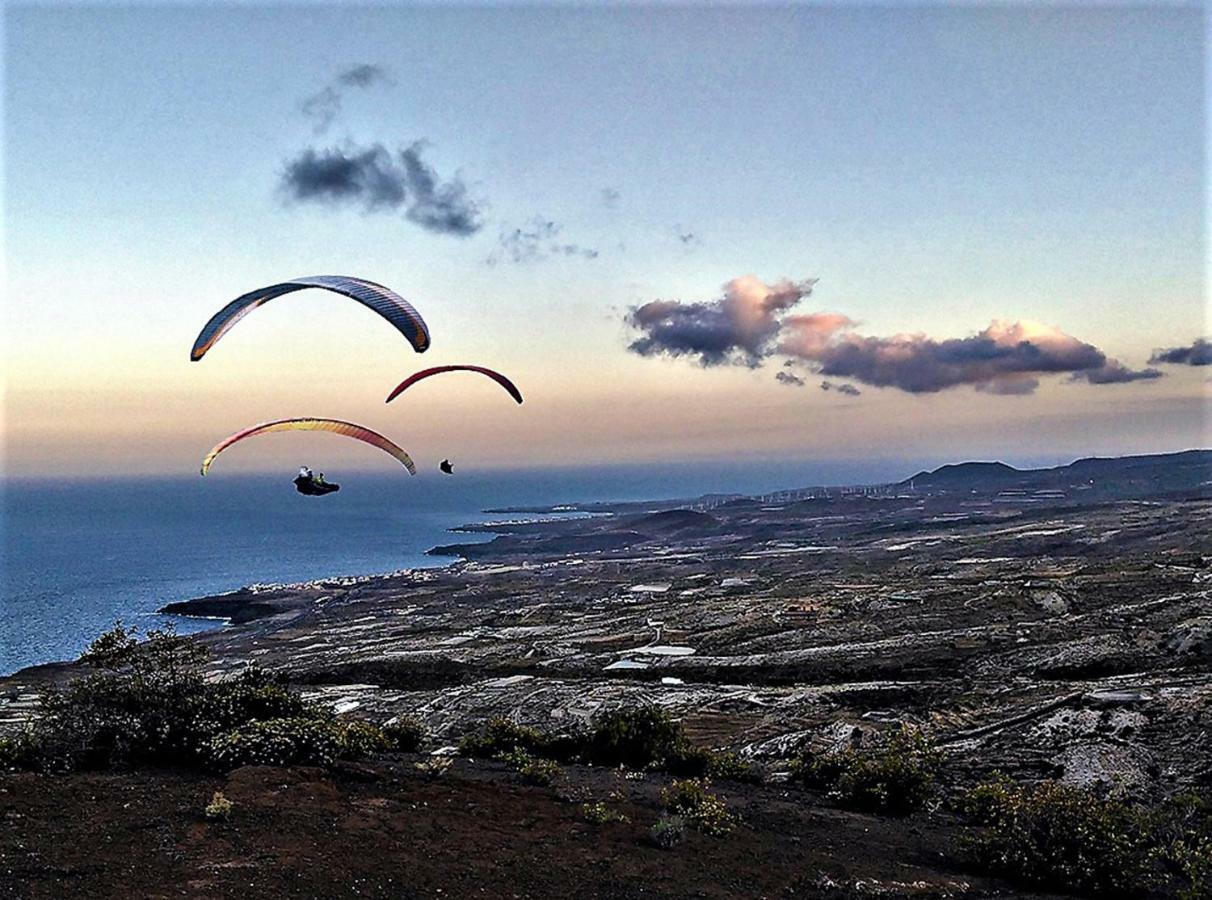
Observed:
{"x":76,"y":555}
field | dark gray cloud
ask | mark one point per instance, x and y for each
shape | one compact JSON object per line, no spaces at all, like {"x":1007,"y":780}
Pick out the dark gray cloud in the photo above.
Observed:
{"x":1199,"y":353}
{"x":843,"y":388}
{"x":444,"y":208}
{"x":1115,"y":372}
{"x":364,"y":75}
{"x":687,"y":238}
{"x":536,"y":240}
{"x":377,"y":180}
{"x":738,"y":328}
{"x":323,"y":106}
{"x":752,"y":323}
{"x":788,"y":378}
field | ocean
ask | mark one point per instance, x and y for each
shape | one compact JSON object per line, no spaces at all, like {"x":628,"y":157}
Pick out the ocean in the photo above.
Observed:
{"x":79,"y":554}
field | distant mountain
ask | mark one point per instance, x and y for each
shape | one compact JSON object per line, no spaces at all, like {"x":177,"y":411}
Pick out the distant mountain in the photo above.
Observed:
{"x":966,"y":473}
{"x":1121,"y":476}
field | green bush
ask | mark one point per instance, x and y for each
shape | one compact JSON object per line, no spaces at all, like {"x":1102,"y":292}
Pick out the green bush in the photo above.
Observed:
{"x":502,"y":736}
{"x":20,"y":751}
{"x":668,"y":832}
{"x":148,"y":703}
{"x":135,"y":710}
{"x":598,"y":813}
{"x":532,"y":769}
{"x":635,"y":738}
{"x":405,"y":733}
{"x":1060,"y":836}
{"x":219,"y":809}
{"x":357,"y":738}
{"x":277,"y":742}
{"x":898,"y":777}
{"x":1066,"y":837}
{"x":693,"y":801}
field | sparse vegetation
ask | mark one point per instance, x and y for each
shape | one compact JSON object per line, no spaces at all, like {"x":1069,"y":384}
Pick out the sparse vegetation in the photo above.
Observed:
{"x":532,"y":769}
{"x":598,"y":813}
{"x":899,"y":776}
{"x":435,"y":766}
{"x":276,"y":742}
{"x":147,"y":703}
{"x":668,"y":832}
{"x":1061,"y":836}
{"x":405,"y":733}
{"x":634,"y":738}
{"x":693,"y":801}
{"x":219,"y":809}
{"x":503,"y":736}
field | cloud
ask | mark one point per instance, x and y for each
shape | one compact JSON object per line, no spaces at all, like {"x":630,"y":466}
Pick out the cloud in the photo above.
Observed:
{"x":752,"y":322}
{"x":377,"y":180}
{"x":737,"y":328}
{"x":442,"y":208}
{"x":788,"y":378}
{"x":1115,"y":372}
{"x":323,"y":106}
{"x":536,"y":240}
{"x":1009,"y":385}
{"x":687,"y":238}
{"x":1004,"y":358}
{"x":364,"y":75}
{"x":1198,"y":354}
{"x":847,"y":389}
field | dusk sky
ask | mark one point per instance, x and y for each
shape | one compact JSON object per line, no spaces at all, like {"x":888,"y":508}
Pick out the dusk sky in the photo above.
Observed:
{"x":534,"y":180}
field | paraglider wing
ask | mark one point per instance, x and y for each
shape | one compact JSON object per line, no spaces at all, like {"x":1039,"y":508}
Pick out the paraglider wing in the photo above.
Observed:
{"x":438,"y":370}
{"x":390,"y":305}
{"x":357,"y":432}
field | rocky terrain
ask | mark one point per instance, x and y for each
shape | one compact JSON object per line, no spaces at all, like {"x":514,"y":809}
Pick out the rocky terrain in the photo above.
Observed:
{"x":1046,"y":632}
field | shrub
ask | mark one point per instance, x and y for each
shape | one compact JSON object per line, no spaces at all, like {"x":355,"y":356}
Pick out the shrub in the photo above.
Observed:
{"x":219,"y":809}
{"x":668,"y":832}
{"x":251,"y":695}
{"x":357,"y":738}
{"x":635,"y":738}
{"x":20,"y":751}
{"x":1060,"y":836}
{"x":405,"y":733}
{"x":598,"y":813}
{"x":897,"y":777}
{"x":147,"y":702}
{"x":276,"y":742}
{"x":502,"y":736}
{"x":532,"y":769}
{"x":435,"y":766}
{"x":692,"y":800}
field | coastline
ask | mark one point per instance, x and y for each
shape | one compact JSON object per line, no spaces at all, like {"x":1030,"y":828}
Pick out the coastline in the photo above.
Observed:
{"x":1015,"y":631}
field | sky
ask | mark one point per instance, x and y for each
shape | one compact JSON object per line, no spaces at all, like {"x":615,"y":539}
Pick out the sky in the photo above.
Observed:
{"x":687,"y":233}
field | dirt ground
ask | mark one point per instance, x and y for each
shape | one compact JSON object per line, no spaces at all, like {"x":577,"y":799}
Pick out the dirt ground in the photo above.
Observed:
{"x":386,"y":830}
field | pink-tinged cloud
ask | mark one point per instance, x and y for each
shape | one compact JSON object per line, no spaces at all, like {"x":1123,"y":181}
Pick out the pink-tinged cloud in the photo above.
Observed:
{"x":737,"y":328}
{"x":749,"y":324}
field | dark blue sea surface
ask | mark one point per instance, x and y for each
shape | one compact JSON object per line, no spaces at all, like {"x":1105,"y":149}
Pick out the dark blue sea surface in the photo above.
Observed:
{"x":78,"y":554}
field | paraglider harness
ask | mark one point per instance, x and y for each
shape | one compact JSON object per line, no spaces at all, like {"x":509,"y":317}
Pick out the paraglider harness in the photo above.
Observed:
{"x":314,"y":486}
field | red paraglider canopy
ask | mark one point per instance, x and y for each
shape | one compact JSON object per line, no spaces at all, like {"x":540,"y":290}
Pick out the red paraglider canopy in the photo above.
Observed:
{"x":438,"y":370}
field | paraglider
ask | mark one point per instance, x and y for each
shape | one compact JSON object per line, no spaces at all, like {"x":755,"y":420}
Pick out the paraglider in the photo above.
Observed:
{"x":446,"y":466}
{"x":335,"y":426}
{"x":391,"y":306}
{"x":438,"y":370}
